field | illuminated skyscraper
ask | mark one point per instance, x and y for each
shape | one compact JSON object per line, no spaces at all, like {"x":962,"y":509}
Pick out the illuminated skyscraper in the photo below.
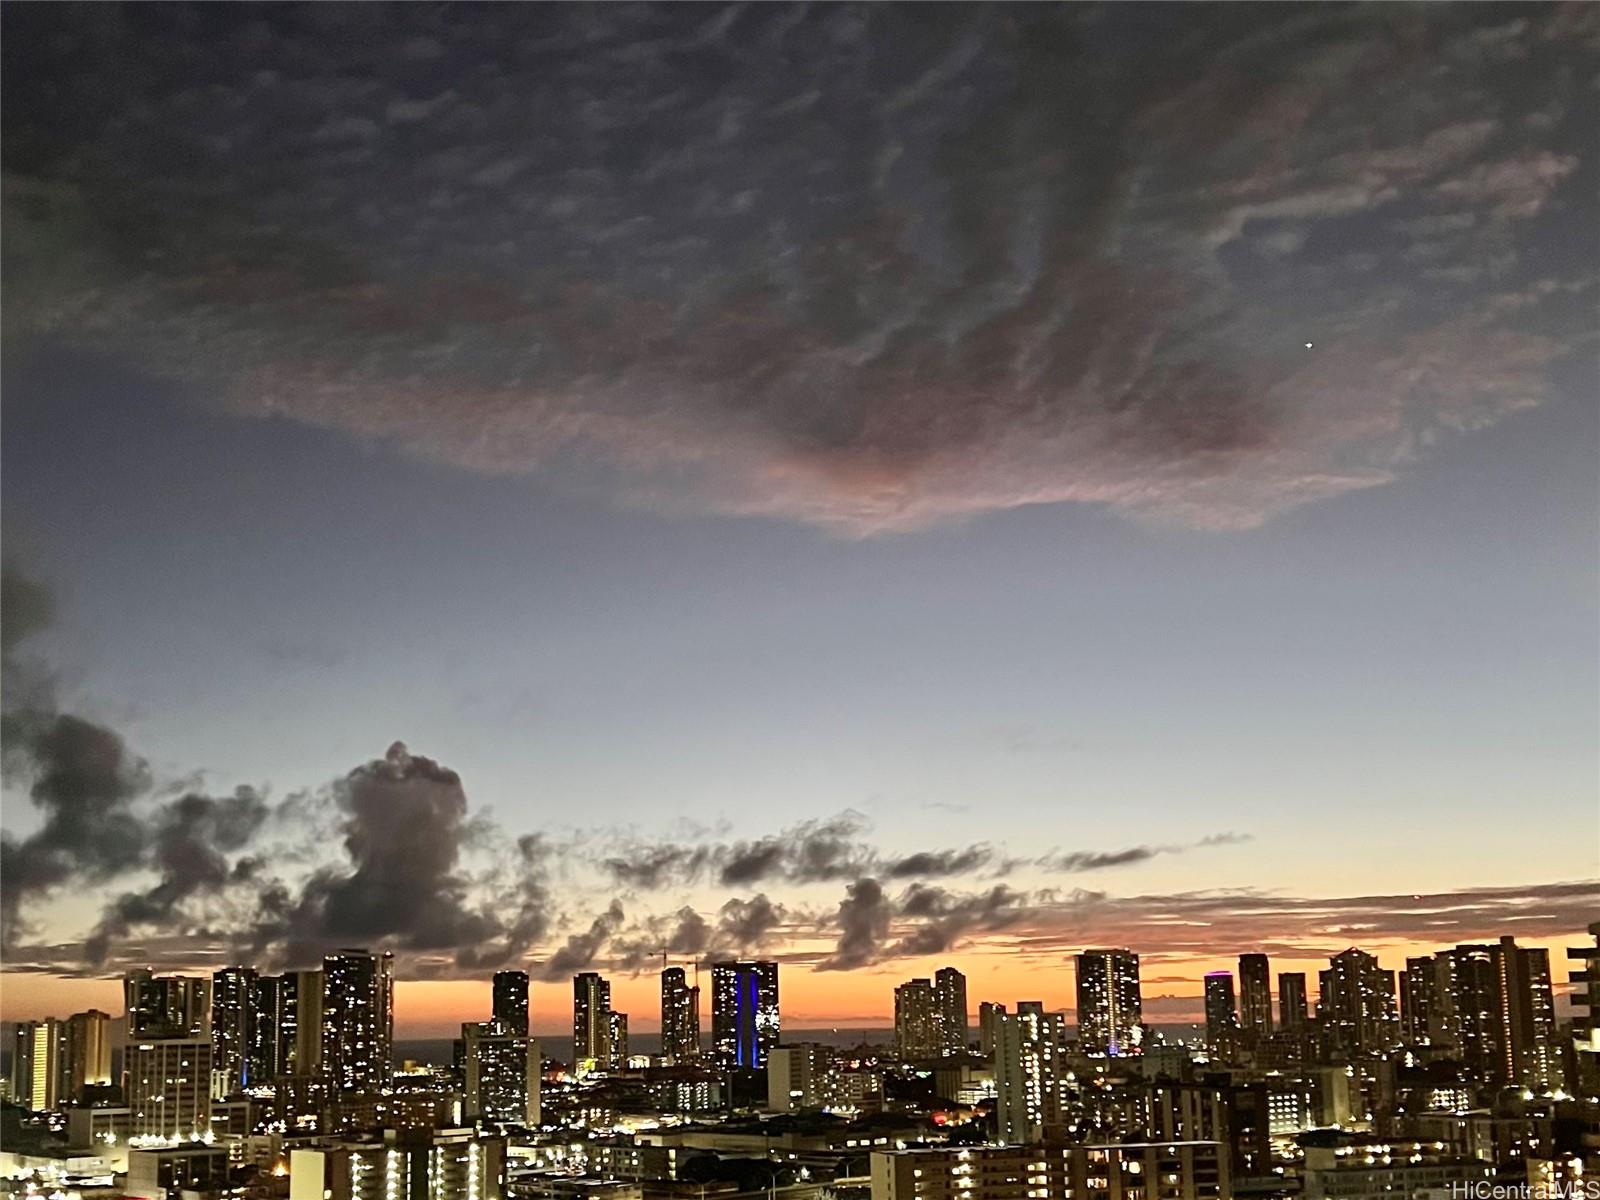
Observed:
{"x":619,"y":1039}
{"x":988,"y":1013}
{"x":744,"y":1011}
{"x":233,"y":1011}
{"x":1030,"y":1072}
{"x":680,"y":1016}
{"x":44,"y":1063}
{"x":1585,"y":980}
{"x":1466,"y":1009}
{"x":1292,"y":1006}
{"x":85,"y":1053}
{"x":1255,"y":999}
{"x":1493,"y":1006}
{"x":1110,"y":1008}
{"x":163,"y":1006}
{"x":591,"y":1020}
{"x":54,"y":1062}
{"x":1356,"y":1005}
{"x":357,"y":1020}
{"x":950,"y":1009}
{"x":1419,"y":985}
{"x":272,"y":1031}
{"x":511,"y":1002}
{"x":1222,"y":1020}
{"x":167,"y":1085}
{"x":1528,"y":1050}
{"x":501,"y":1074}
{"x":916,"y":1021}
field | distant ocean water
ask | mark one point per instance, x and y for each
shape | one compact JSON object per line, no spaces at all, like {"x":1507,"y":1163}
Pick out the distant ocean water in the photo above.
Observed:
{"x":436,"y":1051}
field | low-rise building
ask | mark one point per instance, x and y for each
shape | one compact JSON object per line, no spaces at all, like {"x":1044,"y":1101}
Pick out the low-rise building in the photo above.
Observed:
{"x":1128,"y":1171}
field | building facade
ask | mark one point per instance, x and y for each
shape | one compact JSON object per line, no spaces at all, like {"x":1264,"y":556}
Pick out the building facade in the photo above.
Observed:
{"x":357,"y":1020}
{"x":1255,"y":999}
{"x":591,"y":1021}
{"x":680,"y":1016}
{"x":510,"y":1002}
{"x":1110,"y":1007}
{"x":950,"y":1009}
{"x":1030,"y":1073}
{"x":916,"y":1022}
{"x":745,"y":1021}
{"x":1128,"y":1171}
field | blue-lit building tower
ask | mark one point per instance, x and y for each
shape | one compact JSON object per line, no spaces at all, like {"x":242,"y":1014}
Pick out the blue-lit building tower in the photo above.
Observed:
{"x":744,"y":1012}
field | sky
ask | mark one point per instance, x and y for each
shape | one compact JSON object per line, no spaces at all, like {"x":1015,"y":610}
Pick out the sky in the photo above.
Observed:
{"x":875,"y":487}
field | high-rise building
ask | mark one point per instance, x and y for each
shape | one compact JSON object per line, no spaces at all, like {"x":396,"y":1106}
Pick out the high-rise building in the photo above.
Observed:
{"x":1222,"y":1019}
{"x":85,"y":1053}
{"x":511,"y":1001}
{"x":1585,"y":980}
{"x":357,"y":1020}
{"x":501,"y":1072}
{"x":233,"y":1012}
{"x":167,"y":1088}
{"x":1110,"y":1009}
{"x":272,"y":1027}
{"x":680,"y":1016}
{"x":22,"y":1064}
{"x":1356,"y":1005}
{"x":1292,"y":1008}
{"x":305,"y":1058}
{"x":286,"y":1033}
{"x":1214,"y":1110}
{"x":166,"y":1006}
{"x":1030,"y":1072}
{"x":619,"y":1039}
{"x":591,"y":1021}
{"x":988,"y":1013}
{"x":744,"y":1011}
{"x":916,"y":1020}
{"x":1419,"y":984}
{"x":1255,"y":999}
{"x":950,"y":1009}
{"x":802,"y":1076}
{"x":44,"y":1065}
{"x":1465,"y":1014}
{"x":1530,"y":1057}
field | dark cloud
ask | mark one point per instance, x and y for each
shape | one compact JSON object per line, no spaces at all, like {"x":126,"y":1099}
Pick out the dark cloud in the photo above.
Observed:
{"x":404,"y":826}
{"x":192,"y":841}
{"x":1089,"y":860}
{"x":581,"y":949}
{"x":746,"y":925}
{"x":84,"y":781}
{"x":26,"y":608}
{"x":1079,"y":861}
{"x":742,"y":926}
{"x":81,"y":776}
{"x":861,"y":267}
{"x":863,"y":924}
{"x":926,"y":919}
{"x":811,"y":852}
{"x":945,"y":919}
{"x":934,"y":864}
{"x":657,"y":866}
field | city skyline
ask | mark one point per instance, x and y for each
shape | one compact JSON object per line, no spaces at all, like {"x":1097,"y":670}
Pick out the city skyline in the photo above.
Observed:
{"x":551,"y":1005}
{"x":517,"y":490}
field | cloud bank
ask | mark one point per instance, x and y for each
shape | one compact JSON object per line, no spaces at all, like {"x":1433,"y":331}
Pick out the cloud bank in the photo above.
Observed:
{"x":392,"y":856}
{"x":862,"y":267}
